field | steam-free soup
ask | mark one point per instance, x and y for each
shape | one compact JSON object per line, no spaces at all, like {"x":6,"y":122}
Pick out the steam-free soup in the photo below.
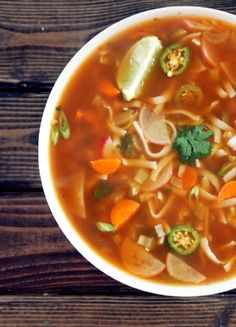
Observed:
{"x":143,"y":145}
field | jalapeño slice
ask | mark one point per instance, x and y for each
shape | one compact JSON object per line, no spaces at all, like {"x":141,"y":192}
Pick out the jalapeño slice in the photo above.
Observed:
{"x":183,"y":239}
{"x":174,"y":59}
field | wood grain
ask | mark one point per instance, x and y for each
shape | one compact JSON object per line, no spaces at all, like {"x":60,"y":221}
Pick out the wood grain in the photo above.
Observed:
{"x":35,"y":256}
{"x":139,"y":310}
{"x":20,"y":116}
{"x":39,"y":37}
{"x":37,"y":40}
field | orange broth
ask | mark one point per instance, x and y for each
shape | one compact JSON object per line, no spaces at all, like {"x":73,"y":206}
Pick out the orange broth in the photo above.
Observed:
{"x":70,"y":157}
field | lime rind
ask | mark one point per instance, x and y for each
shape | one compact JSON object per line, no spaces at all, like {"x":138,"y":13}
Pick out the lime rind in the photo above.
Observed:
{"x":136,"y":66}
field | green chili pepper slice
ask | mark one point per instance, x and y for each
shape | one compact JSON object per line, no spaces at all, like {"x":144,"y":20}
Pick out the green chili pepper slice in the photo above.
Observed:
{"x":188,"y":95}
{"x":183,"y":239}
{"x":174,"y":59}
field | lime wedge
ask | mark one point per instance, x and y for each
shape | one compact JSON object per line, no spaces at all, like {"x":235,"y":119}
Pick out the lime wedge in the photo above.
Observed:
{"x":136,"y":65}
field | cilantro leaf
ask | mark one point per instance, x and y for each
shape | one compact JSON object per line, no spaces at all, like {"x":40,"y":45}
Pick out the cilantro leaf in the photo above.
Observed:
{"x":192,"y":143}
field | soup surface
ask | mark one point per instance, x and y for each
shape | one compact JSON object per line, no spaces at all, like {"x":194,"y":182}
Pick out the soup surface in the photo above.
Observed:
{"x":143,"y":145}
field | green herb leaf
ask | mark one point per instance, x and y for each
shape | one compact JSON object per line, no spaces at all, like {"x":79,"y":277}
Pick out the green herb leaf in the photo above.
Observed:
{"x":224,"y":168}
{"x":64,"y":125}
{"x":105,"y":227}
{"x":103,"y":190}
{"x":127,"y":145}
{"x":192,"y":143}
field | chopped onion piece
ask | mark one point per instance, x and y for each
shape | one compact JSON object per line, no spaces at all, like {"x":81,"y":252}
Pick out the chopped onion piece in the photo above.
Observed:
{"x":134,"y":188}
{"x":159,"y":230}
{"x":109,"y":149}
{"x":230,"y":175}
{"x":220,"y":124}
{"x":221,"y":92}
{"x":145,"y":241}
{"x":103,"y":177}
{"x":229,"y":89}
{"x":232,"y":142}
{"x":160,"y":196}
{"x":221,"y":153}
{"x":228,"y":266}
{"x":198,"y":163}
{"x":139,"y":163}
{"x":206,"y":249}
{"x":141,"y":176}
{"x":161,"y":240}
{"x":181,"y":170}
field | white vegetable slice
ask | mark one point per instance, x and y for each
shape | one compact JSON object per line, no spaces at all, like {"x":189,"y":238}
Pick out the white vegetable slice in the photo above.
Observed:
{"x":154,"y":126}
{"x":109,"y":149}
{"x":232,"y":142}
{"x":138,"y":261}
{"x":206,"y":249}
{"x":180,"y":270}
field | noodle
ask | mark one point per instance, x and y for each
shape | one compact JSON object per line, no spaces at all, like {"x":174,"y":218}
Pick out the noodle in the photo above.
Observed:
{"x":186,"y":113}
{"x":161,"y":164}
{"x":163,"y":210}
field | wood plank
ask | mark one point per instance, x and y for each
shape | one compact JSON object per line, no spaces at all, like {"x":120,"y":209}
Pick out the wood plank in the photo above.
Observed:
{"x":139,"y":310}
{"x":20,"y":116}
{"x":37,"y":49}
{"x":35,"y":256}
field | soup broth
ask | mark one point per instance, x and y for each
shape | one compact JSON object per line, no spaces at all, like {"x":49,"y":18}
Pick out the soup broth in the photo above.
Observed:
{"x":144,"y":165}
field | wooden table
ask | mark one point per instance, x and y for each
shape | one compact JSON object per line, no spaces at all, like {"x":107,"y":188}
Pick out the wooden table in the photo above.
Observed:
{"x":43,"y":280}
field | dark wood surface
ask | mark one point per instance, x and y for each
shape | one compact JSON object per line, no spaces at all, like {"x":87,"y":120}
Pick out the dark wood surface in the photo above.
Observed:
{"x":43,"y":280}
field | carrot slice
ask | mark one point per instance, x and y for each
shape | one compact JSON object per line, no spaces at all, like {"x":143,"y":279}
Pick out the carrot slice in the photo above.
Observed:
{"x":227,"y":191}
{"x":108,"y":89}
{"x":123,"y":211}
{"x":189,"y":177}
{"x":105,"y":166}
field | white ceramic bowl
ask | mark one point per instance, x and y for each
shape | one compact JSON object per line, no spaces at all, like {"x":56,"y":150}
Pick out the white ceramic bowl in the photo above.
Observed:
{"x":47,"y":182}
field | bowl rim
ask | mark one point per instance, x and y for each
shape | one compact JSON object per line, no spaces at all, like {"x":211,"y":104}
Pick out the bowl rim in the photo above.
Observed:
{"x":66,"y":226}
